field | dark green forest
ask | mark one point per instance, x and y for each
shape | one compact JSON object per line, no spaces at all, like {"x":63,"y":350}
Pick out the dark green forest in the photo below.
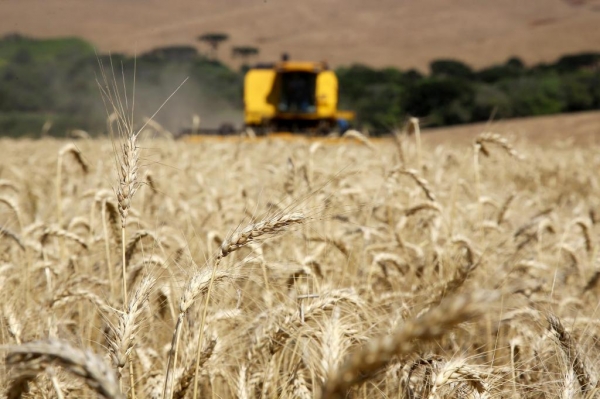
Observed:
{"x":56,"y":80}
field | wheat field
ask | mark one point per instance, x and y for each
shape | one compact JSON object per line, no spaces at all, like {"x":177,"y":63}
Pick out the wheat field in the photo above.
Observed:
{"x":153,"y":268}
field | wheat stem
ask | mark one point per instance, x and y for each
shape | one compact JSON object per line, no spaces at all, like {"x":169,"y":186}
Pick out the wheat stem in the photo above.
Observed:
{"x":202,"y":322}
{"x":107,"y":250}
{"x":199,"y":284}
{"x":124,"y":263}
{"x":417,"y":129}
{"x":59,"y":212}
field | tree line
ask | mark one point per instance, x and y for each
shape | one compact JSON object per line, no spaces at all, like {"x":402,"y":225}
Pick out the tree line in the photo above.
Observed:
{"x":56,"y":80}
{"x":453,"y":93}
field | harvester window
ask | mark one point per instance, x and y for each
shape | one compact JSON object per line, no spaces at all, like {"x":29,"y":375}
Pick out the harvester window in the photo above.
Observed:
{"x":298,"y":92}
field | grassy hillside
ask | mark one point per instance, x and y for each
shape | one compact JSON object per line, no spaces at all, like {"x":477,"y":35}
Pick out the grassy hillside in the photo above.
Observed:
{"x":383,"y":33}
{"x":15,"y":46}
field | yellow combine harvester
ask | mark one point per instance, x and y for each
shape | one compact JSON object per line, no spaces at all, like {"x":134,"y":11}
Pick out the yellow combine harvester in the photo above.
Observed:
{"x":293,"y":96}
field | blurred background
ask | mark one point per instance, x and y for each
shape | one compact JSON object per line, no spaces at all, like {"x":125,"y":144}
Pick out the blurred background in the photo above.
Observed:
{"x":446,"y":62}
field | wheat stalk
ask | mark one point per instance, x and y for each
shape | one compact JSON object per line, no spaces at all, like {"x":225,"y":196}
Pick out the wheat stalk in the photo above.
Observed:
{"x":235,"y":241}
{"x":289,"y":183}
{"x":127,"y":159}
{"x":399,"y":147}
{"x":112,"y":213}
{"x":413,"y":127}
{"x":197,"y":286}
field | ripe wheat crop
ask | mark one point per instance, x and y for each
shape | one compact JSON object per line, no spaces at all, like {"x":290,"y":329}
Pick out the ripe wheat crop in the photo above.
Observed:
{"x":272,"y":268}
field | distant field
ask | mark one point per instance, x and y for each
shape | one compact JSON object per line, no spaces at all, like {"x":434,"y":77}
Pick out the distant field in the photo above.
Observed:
{"x":579,"y":128}
{"x":380,"y":33}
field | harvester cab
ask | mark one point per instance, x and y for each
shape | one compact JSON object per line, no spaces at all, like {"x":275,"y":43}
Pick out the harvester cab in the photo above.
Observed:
{"x":293,"y":96}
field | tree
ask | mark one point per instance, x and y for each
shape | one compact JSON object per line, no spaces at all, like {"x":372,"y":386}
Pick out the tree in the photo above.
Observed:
{"x":534,"y":95}
{"x":214,"y":39}
{"x":244,"y":52}
{"x":515,"y":63}
{"x":576,"y":91}
{"x":512,"y":69}
{"x":451,"y":68}
{"x":576,"y":62}
{"x":172,"y":53}
{"x":491,"y":101}
{"x":443,"y":101}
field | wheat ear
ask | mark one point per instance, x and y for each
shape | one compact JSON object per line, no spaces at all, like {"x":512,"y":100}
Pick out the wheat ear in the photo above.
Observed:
{"x":256,"y":230}
{"x":477,"y":148}
{"x":585,"y":231}
{"x":502,"y":212}
{"x":13,"y":236}
{"x":494,"y":138}
{"x":67,"y":149}
{"x":569,"y":347}
{"x":4,"y":183}
{"x":463,"y":379}
{"x":188,"y":375}
{"x":355,"y":134}
{"x":134,"y":240}
{"x":274,"y":335}
{"x":128,"y":185}
{"x":379,"y":353}
{"x":35,"y":357}
{"x":126,"y":330}
{"x":421,"y":182}
{"x":14,"y":206}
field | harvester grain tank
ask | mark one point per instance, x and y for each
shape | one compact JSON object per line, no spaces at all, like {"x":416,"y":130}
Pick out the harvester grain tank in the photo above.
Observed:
{"x":293,"y":96}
